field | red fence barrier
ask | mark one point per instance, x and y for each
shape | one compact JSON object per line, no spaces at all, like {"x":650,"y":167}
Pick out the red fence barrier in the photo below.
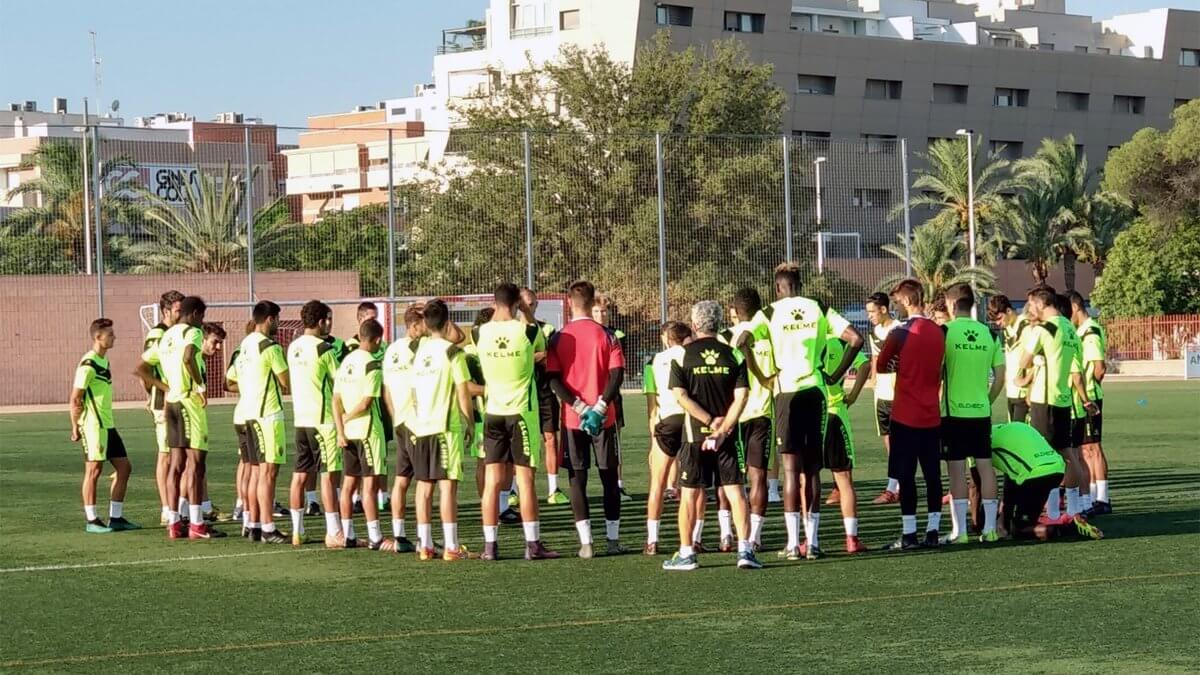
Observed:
{"x":1152,"y":338}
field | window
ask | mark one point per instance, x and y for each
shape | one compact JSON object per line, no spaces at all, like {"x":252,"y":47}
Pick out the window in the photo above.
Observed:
{"x":1001,"y":42}
{"x":399,"y":111}
{"x":1081,"y":49}
{"x":1009,"y":150}
{"x":821,"y":85}
{"x":888,"y":90}
{"x":816,"y":140}
{"x":1148,"y":52}
{"x":1103,"y":50}
{"x":949,"y":93}
{"x":1044,"y":47}
{"x":568,"y":20}
{"x":937,"y":139}
{"x":673,"y":15}
{"x":880,"y":143}
{"x":530,"y":18}
{"x":865,"y":198}
{"x":1072,"y":100}
{"x":1011,"y":98}
{"x":802,"y":22}
{"x":1181,"y":102}
{"x":1189,"y":57}
{"x":1080,"y":151}
{"x":1129,"y":105}
{"x":744,"y":22}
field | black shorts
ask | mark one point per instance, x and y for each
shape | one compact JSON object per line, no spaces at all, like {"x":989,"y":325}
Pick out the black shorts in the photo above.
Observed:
{"x":428,"y":458}
{"x":669,"y":434}
{"x":308,"y":451}
{"x":914,"y":442}
{"x":579,"y":448}
{"x":757,"y":442}
{"x":507,"y":439}
{"x":1018,"y":410}
{"x":839,"y":445}
{"x":1053,"y":422}
{"x":404,"y":449}
{"x":549,"y":411}
{"x":883,"y":417}
{"x":1027,"y":500}
{"x":964,"y":437}
{"x":243,"y":442}
{"x":1086,"y":430}
{"x":699,"y":469}
{"x":181,"y":421}
{"x":800,"y":419}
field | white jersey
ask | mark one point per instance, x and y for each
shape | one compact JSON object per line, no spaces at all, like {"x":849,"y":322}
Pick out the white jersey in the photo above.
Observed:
{"x":885,"y":383}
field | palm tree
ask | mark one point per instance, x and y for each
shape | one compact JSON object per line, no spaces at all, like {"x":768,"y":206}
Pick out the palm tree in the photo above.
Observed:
{"x":938,"y":253}
{"x":1040,"y":231}
{"x":1109,"y":215}
{"x":1058,"y":172}
{"x":204,"y":233}
{"x":60,"y":189}
{"x":943,"y":186}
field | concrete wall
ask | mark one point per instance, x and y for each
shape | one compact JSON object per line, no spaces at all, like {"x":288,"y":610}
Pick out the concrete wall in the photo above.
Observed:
{"x":44,"y":321}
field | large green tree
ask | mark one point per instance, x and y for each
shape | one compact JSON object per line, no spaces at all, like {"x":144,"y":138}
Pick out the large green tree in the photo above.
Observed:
{"x":939,"y":254}
{"x":1055,"y":178}
{"x":1040,"y":232}
{"x":1159,"y":171}
{"x":1152,"y":272}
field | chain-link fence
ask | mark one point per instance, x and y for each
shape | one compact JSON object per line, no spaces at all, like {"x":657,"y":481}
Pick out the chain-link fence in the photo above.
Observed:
{"x":102,"y":219}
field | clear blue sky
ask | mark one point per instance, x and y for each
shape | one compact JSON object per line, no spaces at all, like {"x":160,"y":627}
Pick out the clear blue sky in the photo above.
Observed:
{"x":276,"y":59}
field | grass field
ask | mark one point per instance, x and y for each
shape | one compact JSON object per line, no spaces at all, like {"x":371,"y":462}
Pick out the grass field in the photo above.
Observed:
{"x":137,"y":602}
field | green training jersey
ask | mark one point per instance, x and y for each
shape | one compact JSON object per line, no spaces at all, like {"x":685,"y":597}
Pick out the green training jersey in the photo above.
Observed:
{"x":648,"y":385}
{"x":312,"y":364}
{"x":971,"y":354}
{"x":1093,"y":342}
{"x":835,"y":351}
{"x":797,"y":329}
{"x":93,"y":377}
{"x":171,"y":350}
{"x":1020,"y":452}
{"x":150,"y":357}
{"x":506,"y":350}
{"x":397,"y":360}
{"x":760,"y":402}
{"x":340,"y":350}
{"x":437,"y":370}
{"x":660,"y":369}
{"x":231,"y":376}
{"x":360,"y":377}
{"x":260,"y":361}
{"x":1013,"y":336}
{"x":351,"y":345}
{"x":1056,"y":340}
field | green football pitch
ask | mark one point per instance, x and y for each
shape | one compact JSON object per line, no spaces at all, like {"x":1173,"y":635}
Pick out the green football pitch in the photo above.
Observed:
{"x":135,"y":601}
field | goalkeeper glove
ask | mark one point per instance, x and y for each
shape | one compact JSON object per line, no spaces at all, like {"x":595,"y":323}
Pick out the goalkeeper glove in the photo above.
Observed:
{"x":592,"y":421}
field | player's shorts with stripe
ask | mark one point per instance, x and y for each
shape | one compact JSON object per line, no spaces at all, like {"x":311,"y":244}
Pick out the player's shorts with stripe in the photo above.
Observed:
{"x":883,"y":417}
{"x":265,"y":438}
{"x":515,"y":439}
{"x":800,"y":419}
{"x":100,"y":444}
{"x":966,"y":437}
{"x":1026,"y":501}
{"x":1018,"y":410}
{"x":404,"y":451}
{"x":317,"y":449}
{"x":1053,"y":422}
{"x":1086,"y":430}
{"x":700,"y":469}
{"x":439,"y":456}
{"x":839,"y":442}
{"x":579,"y":447}
{"x":187,"y":424}
{"x":243,"y":442}
{"x":160,"y":432}
{"x":758,"y":439}
{"x":669,"y":434}
{"x":365,"y":457}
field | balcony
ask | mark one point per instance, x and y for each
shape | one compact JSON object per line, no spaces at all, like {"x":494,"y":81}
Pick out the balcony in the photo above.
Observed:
{"x":466,"y":39}
{"x":530,"y":31}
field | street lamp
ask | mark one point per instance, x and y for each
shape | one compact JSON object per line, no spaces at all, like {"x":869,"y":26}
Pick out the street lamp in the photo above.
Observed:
{"x":820,"y":238}
{"x":970,"y":135}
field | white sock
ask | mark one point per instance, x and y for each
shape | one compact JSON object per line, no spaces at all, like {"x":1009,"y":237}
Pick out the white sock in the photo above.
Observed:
{"x":812,"y":523}
{"x":698,"y":531}
{"x":933,"y":521}
{"x":1085,"y":501}
{"x":166,"y":511}
{"x":373,"y":532}
{"x":332,"y":526}
{"x":183,"y":504}
{"x":893,"y":486}
{"x":450,"y":534}
{"x":791,"y":520}
{"x":612,"y":529}
{"x":357,"y":497}
{"x":206,"y":505}
{"x":652,"y":531}
{"x":1101,"y":491}
{"x":620,"y":484}
{"x":297,"y":520}
{"x":255,"y":526}
{"x":551,"y":483}
{"x":239,"y":503}
{"x":532,"y":531}
{"x":773,"y":486}
{"x":504,"y":500}
{"x":756,"y":524}
{"x":310,"y":497}
{"x":398,"y":528}
{"x":246,"y":517}
{"x":1073,"y":501}
{"x":908,"y":524}
{"x":348,"y":527}
{"x":989,"y":515}
{"x":172,"y":517}
{"x":685,"y":551}
{"x":380,"y":499}
{"x":743,"y":545}
{"x":851,"y":525}
{"x":725,"y":521}
{"x":490,"y":532}
{"x":584,"y":528}
{"x":958,"y":518}
{"x":89,"y":511}
{"x":1092,"y":488}
{"x":195,"y":514}
{"x":116,"y":509}
{"x":268,"y":527}
{"x":425,"y":535}
{"x":1053,"y":509}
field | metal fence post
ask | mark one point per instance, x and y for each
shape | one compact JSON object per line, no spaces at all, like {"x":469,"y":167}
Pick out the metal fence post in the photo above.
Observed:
{"x":787,"y":197}
{"x":87,"y":202}
{"x":249,"y":210}
{"x":99,"y":225}
{"x":528,"y":211}
{"x":391,"y":240}
{"x":907,"y":222}
{"x":662,"y":231}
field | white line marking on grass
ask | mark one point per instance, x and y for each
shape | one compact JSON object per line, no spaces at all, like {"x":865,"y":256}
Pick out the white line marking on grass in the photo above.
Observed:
{"x":156,"y":561}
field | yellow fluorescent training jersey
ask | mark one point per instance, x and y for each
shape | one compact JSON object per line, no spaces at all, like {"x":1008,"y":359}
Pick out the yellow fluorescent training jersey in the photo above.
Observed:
{"x":260,"y":361}
{"x":660,"y":368}
{"x":171,"y":350}
{"x":95,"y":379}
{"x":438,"y":368}
{"x":506,"y":350}
{"x":1013,"y":335}
{"x":797,"y":328}
{"x":150,"y":357}
{"x":358,"y":378}
{"x":760,"y":401}
{"x":397,"y":361}
{"x":312,"y":365}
